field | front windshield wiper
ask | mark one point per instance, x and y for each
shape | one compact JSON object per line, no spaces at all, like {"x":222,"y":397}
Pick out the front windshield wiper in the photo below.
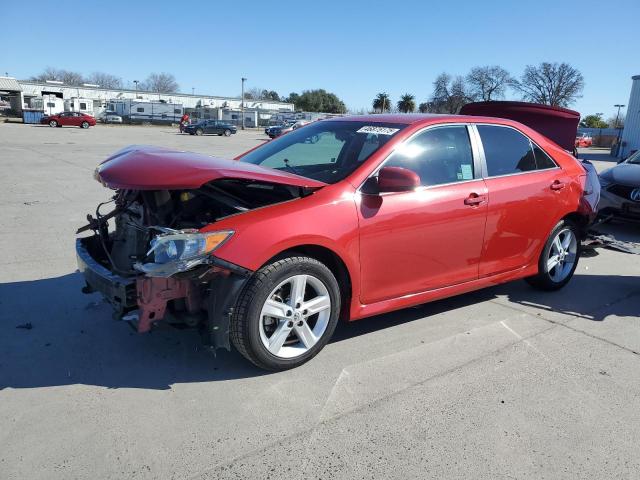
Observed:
{"x":290,"y":167}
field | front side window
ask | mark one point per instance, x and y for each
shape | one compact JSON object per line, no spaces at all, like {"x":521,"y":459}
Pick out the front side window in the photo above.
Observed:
{"x":438,"y":155}
{"x":506,"y":150}
{"x":327,"y":151}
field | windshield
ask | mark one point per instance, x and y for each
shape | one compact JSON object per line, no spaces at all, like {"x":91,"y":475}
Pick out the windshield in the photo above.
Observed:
{"x":635,"y":158}
{"x":326,"y":151}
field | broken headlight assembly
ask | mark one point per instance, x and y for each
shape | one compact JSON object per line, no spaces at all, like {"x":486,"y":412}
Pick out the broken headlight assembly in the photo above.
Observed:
{"x":175,"y":251}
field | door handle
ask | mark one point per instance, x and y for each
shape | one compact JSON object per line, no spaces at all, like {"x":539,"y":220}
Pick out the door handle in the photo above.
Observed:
{"x":557,"y":185}
{"x":474,"y":199}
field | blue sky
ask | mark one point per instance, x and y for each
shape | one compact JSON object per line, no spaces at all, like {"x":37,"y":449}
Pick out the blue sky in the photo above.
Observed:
{"x":352,"y":48}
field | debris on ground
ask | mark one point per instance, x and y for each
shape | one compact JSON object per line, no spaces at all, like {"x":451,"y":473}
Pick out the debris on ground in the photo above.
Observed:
{"x":597,"y":239}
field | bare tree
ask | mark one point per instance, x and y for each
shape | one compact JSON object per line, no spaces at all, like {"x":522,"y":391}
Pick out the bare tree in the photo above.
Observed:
{"x":449,"y":94}
{"x":557,"y":84}
{"x":66,"y":76}
{"x":105,"y":80}
{"x":488,"y":83}
{"x":161,"y":83}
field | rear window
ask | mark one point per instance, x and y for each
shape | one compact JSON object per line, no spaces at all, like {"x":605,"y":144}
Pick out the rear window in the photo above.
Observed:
{"x":506,"y":150}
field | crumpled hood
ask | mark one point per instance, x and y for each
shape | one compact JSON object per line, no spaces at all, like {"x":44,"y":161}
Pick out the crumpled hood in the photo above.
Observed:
{"x":143,"y":167}
{"x":623,"y":174}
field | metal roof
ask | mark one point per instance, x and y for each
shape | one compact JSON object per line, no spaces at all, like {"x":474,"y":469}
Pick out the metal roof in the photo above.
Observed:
{"x":9,"y":84}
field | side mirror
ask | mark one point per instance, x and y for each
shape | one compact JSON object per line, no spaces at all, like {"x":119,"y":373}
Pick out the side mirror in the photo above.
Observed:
{"x":397,"y":179}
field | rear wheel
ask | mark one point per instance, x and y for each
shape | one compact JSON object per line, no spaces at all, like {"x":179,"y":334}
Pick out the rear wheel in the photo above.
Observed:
{"x":199,"y":132}
{"x":286,"y":314}
{"x":84,"y":125}
{"x":53,"y":123}
{"x":227,"y":133}
{"x":559,"y":258}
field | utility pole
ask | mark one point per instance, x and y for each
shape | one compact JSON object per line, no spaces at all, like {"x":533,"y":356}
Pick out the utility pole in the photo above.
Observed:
{"x":242,"y":103}
{"x":618,"y":127}
{"x":599,"y":115}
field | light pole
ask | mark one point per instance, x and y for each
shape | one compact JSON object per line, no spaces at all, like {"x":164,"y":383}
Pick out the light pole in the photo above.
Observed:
{"x":136,"y":84}
{"x":599,"y":115}
{"x":618,"y":127}
{"x":193,"y":91}
{"x":242,"y":103}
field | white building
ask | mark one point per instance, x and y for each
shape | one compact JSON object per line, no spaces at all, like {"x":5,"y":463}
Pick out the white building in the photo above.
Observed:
{"x":631,"y":132}
{"x":101,"y":96}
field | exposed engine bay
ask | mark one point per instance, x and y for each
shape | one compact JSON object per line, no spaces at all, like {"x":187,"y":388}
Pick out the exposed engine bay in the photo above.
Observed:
{"x":150,"y":261}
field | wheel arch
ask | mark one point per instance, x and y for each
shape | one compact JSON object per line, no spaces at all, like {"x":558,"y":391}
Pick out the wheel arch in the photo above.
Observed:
{"x":580,"y":220}
{"x":333,"y":262}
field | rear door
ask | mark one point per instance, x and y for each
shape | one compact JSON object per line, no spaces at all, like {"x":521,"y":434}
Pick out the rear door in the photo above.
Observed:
{"x":524,"y":187}
{"x":411,"y":242}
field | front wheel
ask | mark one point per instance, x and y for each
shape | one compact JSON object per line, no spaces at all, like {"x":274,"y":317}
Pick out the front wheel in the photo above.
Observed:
{"x":227,"y":133}
{"x":85,"y":125}
{"x":53,"y":123}
{"x":199,"y":132}
{"x":286,"y":313}
{"x":559,"y":258}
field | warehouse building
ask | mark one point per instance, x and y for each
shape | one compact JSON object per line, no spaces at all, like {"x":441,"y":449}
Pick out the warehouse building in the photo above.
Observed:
{"x":26,"y":94}
{"x":631,"y":132}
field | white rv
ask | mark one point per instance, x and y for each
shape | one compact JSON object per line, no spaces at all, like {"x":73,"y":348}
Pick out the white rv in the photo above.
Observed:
{"x":49,"y":104}
{"x":82,"y":105}
{"x":140,"y":111}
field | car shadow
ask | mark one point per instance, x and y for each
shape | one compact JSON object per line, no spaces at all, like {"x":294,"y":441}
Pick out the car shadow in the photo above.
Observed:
{"x":53,"y":335}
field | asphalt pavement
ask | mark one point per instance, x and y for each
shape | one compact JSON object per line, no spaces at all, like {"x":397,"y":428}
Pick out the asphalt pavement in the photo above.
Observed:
{"x":506,"y":382}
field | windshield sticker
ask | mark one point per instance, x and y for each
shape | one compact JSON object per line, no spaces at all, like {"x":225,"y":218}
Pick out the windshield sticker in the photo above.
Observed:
{"x":378,"y":130}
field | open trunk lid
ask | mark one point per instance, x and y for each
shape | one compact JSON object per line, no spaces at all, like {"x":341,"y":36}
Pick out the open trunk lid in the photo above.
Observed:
{"x":556,"y":123}
{"x":143,"y":167}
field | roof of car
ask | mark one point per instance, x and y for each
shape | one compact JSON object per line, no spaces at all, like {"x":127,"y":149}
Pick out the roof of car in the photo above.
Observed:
{"x":412,"y":118}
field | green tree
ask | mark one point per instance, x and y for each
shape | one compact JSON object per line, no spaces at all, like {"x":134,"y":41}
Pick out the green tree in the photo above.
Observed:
{"x":407,"y":103}
{"x":424,"y":107}
{"x":382,"y":102}
{"x":317,"y":101}
{"x":594,"y":121}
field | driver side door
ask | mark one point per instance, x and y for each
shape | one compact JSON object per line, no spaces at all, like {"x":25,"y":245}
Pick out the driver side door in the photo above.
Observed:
{"x":430,"y":237}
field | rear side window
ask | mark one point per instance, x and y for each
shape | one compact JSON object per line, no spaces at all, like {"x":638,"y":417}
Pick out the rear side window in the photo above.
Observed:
{"x":506,"y":150}
{"x":438,"y":155}
{"x":542,"y":159}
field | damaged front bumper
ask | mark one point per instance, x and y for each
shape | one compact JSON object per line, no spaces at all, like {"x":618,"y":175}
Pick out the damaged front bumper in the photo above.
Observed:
{"x":208,"y":294}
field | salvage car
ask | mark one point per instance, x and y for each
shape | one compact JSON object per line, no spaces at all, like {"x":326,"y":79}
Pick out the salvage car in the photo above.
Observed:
{"x":621,"y":189}
{"x":268,"y":251}
{"x":217,"y":127}
{"x":583,"y":140}
{"x":69,"y":119}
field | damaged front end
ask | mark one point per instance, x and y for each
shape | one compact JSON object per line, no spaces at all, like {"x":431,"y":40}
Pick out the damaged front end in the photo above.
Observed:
{"x":152,"y":262}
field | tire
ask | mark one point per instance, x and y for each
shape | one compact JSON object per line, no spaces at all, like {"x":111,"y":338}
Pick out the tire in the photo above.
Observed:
{"x":557,"y":276}
{"x":199,"y":132}
{"x":53,"y":123}
{"x":227,"y":133}
{"x":84,"y":125}
{"x":252,"y":330}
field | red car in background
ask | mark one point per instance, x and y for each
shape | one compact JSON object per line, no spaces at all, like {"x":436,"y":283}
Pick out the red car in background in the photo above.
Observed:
{"x":380,"y":212}
{"x":584,"y":141}
{"x":70,"y":119}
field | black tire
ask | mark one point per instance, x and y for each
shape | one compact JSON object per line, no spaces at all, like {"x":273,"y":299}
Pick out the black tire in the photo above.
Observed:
{"x":245,"y":322}
{"x":227,"y":133}
{"x":53,"y":123}
{"x":199,"y":132}
{"x":544,"y":280}
{"x":84,"y":125}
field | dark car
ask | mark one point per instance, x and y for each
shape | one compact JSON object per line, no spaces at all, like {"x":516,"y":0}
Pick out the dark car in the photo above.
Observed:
{"x":621,"y":189}
{"x":217,"y":127}
{"x":71,"y":119}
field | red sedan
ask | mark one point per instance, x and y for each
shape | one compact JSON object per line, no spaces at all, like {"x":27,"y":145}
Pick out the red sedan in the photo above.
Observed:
{"x":71,"y":119}
{"x":341,"y":219}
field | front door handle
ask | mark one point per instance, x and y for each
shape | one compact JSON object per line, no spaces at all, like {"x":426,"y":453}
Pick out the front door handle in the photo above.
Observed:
{"x":474,"y":199}
{"x":557,"y":185}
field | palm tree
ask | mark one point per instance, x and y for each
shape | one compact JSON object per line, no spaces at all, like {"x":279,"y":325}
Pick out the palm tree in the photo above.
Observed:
{"x":407,"y":103}
{"x":382,"y":102}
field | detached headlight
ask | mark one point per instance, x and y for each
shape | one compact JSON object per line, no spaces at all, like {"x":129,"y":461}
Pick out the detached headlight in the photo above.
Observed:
{"x":181,"y":251}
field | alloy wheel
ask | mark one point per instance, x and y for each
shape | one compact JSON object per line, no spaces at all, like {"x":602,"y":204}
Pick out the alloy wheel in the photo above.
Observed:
{"x":562,"y":255}
{"x":295,"y":316}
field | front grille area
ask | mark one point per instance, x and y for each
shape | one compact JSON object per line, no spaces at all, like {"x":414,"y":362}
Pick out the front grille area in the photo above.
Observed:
{"x":623,"y":191}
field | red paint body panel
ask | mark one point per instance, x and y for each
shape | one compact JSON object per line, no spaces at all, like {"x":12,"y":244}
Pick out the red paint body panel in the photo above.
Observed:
{"x":141,"y":167}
